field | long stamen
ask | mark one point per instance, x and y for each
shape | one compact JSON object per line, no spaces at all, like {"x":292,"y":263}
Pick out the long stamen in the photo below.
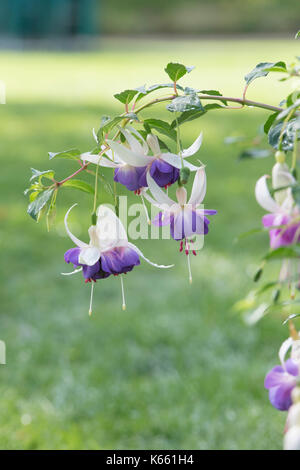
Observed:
{"x":91,"y":299}
{"x":189,"y":268}
{"x":123,"y":294}
{"x":145,"y":209}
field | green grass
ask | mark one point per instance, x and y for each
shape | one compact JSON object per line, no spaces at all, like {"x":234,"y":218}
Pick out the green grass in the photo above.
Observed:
{"x":177,"y":369}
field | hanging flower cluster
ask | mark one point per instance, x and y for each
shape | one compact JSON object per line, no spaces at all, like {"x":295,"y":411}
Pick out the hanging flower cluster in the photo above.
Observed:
{"x":140,"y":166}
{"x":135,"y":148}
{"x":146,"y":157}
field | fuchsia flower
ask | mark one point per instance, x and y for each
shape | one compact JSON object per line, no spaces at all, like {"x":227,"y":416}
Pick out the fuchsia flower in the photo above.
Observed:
{"x":281,"y":380}
{"x":108,"y":252}
{"x":132,"y":162}
{"x":184,"y":217}
{"x":285,"y":216}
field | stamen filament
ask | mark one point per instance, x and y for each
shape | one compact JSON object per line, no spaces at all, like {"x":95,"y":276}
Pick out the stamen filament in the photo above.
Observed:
{"x":123,"y":294}
{"x":91,"y":299}
{"x":189,"y":268}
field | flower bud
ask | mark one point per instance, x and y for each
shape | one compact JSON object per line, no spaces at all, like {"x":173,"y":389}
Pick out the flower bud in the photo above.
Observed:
{"x":281,"y":177}
{"x":184,"y":175}
{"x":152,"y":141}
{"x":280,"y":156}
{"x":181,"y":195}
{"x":292,"y":439}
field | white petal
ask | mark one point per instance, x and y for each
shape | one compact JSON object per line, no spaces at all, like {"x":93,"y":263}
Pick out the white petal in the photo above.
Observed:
{"x":144,"y":143}
{"x":160,"y":196}
{"x":176,"y":161}
{"x":128,"y":156}
{"x":89,"y":255}
{"x":74,"y":239}
{"x":134,"y":144}
{"x":138,"y":251}
{"x":199,"y":187}
{"x":110,"y":230}
{"x":181,"y":195}
{"x":264,"y":197}
{"x":72,"y":272}
{"x":99,"y":160}
{"x":284,"y":349}
{"x":194,"y":147}
{"x":172,"y":159}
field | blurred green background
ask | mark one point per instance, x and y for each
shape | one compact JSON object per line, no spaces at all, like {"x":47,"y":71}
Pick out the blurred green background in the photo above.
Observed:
{"x":177,"y":369}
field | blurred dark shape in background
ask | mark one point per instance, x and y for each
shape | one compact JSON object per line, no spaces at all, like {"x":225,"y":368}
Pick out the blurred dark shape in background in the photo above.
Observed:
{"x":54,"y":19}
{"x":36,"y":19}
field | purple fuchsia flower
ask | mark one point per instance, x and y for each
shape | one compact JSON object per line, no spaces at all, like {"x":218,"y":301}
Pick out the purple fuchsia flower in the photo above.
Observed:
{"x":132,"y":162}
{"x":185,"y":218}
{"x":284,"y":215}
{"x":108,"y":252}
{"x":281,"y":380}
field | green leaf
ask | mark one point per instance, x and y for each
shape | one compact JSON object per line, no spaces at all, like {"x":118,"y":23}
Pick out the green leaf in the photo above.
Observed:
{"x":126,"y":96}
{"x":262,"y":69}
{"x":185,"y":103}
{"x":283,"y":252}
{"x":214,"y":93}
{"x":49,"y":174}
{"x":288,"y":134}
{"x":161,"y":126}
{"x":79,"y":184}
{"x":177,"y":71}
{"x":71,"y":154}
{"x":39,"y":202}
{"x":157,"y":87}
{"x":269,"y":122}
{"x":255,"y":153}
{"x":107,"y":126}
{"x":286,"y":111}
{"x":131,"y":116}
{"x":297,"y":35}
{"x":210,"y":106}
{"x":188,"y":116}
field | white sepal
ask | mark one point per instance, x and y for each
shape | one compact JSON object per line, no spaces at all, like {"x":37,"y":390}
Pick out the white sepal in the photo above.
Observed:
{"x":194,"y":147}
{"x":263,"y":195}
{"x":157,"y":192}
{"x":138,"y":251}
{"x":199,"y":187}
{"x":284,"y":349}
{"x":72,"y":272}
{"x":74,"y":239}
